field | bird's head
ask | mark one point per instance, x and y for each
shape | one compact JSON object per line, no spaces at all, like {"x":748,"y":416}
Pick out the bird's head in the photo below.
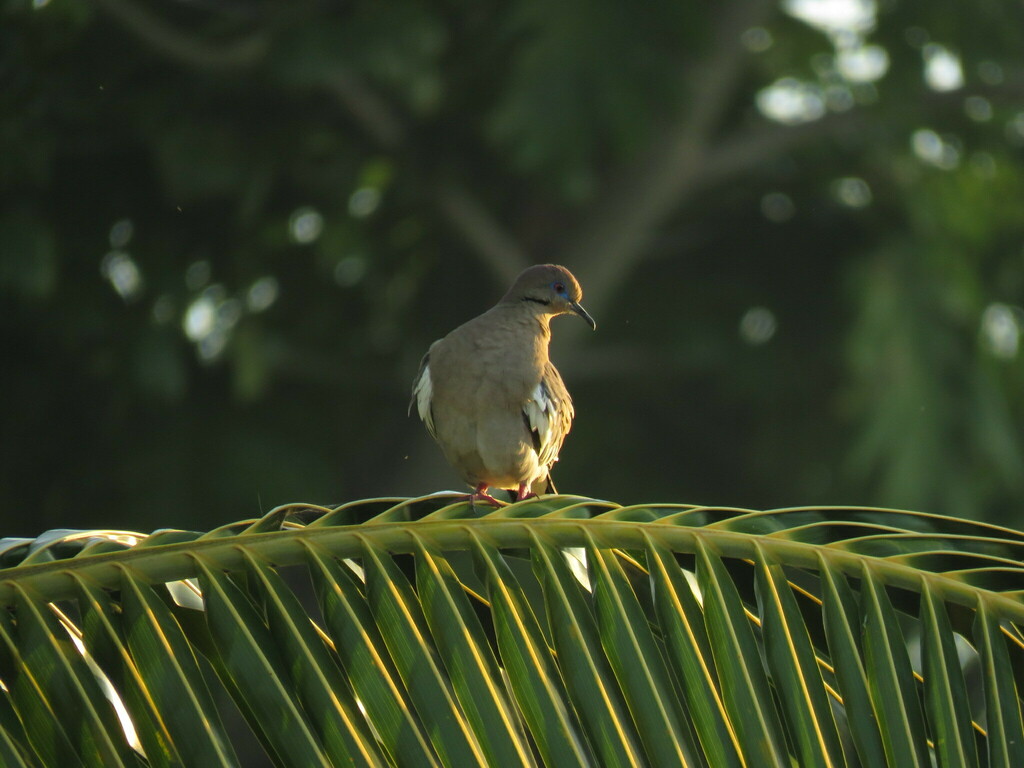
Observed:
{"x":550,"y":290}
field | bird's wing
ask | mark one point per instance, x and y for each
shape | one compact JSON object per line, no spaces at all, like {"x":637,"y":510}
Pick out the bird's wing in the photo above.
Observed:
{"x":423,"y":395}
{"x":548,"y":416}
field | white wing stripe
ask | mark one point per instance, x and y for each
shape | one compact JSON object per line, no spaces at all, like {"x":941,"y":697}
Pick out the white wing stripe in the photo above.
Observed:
{"x":539,"y":410}
{"x":423,"y":391}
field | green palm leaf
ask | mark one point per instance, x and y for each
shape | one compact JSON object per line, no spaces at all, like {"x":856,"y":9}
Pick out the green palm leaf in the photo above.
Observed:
{"x":557,"y":631}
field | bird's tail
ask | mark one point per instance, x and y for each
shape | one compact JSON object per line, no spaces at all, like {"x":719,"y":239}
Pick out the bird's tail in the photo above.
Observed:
{"x":549,"y":484}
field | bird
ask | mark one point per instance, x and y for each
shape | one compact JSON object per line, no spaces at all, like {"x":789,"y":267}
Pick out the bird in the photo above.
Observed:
{"x":490,"y":396}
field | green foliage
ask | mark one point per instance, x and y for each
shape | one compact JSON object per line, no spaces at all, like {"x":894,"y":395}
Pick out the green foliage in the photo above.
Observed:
{"x":554,"y":631}
{"x":823,"y":306}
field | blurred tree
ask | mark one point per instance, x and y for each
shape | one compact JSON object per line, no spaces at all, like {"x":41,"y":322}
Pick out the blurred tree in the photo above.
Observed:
{"x":230,"y":230}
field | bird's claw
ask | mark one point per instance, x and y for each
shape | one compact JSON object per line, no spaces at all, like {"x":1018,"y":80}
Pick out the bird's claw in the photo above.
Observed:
{"x":524,"y":493}
{"x":481,"y":494}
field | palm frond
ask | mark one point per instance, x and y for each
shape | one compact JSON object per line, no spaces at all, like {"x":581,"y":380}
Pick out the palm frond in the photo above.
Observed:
{"x":556,"y":631}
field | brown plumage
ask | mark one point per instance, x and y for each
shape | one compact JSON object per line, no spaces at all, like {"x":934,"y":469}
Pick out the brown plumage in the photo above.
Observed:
{"x":490,"y":396}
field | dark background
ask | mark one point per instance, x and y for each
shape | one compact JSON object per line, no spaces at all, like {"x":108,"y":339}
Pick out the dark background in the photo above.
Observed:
{"x":229,"y":230}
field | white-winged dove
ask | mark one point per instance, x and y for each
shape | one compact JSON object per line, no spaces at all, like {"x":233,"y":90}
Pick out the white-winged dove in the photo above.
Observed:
{"x":490,"y":396}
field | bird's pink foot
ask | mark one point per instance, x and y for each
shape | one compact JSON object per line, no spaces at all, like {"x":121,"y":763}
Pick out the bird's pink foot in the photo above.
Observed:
{"x":524,"y":492}
{"x":480,"y":494}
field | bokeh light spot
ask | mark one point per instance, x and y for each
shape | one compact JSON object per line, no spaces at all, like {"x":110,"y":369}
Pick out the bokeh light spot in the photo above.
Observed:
{"x":305,"y":225}
{"x":791,"y":101}
{"x":1000,"y":330}
{"x":229,"y":313}
{"x":211,"y":347}
{"x":942,"y":69}
{"x":163,"y":310}
{"x":839,"y":98}
{"x":364,"y":202}
{"x":123,"y":273}
{"x":852,"y":192}
{"x":349,"y":271}
{"x":990,"y":72}
{"x":834,"y":16}
{"x":1015,"y":129}
{"x":978,"y":108}
{"x":121,"y":233}
{"x":200,"y":318}
{"x":757,"y":39}
{"x":932,"y":149}
{"x":262,"y":294}
{"x":209,"y":319}
{"x":777,"y":207}
{"x":758,"y":325}
{"x":197,"y":275}
{"x":863,"y":64}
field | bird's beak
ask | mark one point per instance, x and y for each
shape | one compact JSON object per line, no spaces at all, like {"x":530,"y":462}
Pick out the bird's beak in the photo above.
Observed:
{"x":579,"y":310}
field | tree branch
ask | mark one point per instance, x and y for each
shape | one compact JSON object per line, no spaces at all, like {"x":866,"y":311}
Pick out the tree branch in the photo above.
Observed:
{"x":373,"y":114}
{"x":492,"y":243}
{"x":183,"y":48}
{"x":614,"y":239}
{"x":755,"y":146}
{"x":745,"y":150}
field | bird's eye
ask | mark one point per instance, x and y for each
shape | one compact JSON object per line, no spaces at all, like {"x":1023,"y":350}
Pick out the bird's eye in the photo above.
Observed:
{"x":559,"y":287}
